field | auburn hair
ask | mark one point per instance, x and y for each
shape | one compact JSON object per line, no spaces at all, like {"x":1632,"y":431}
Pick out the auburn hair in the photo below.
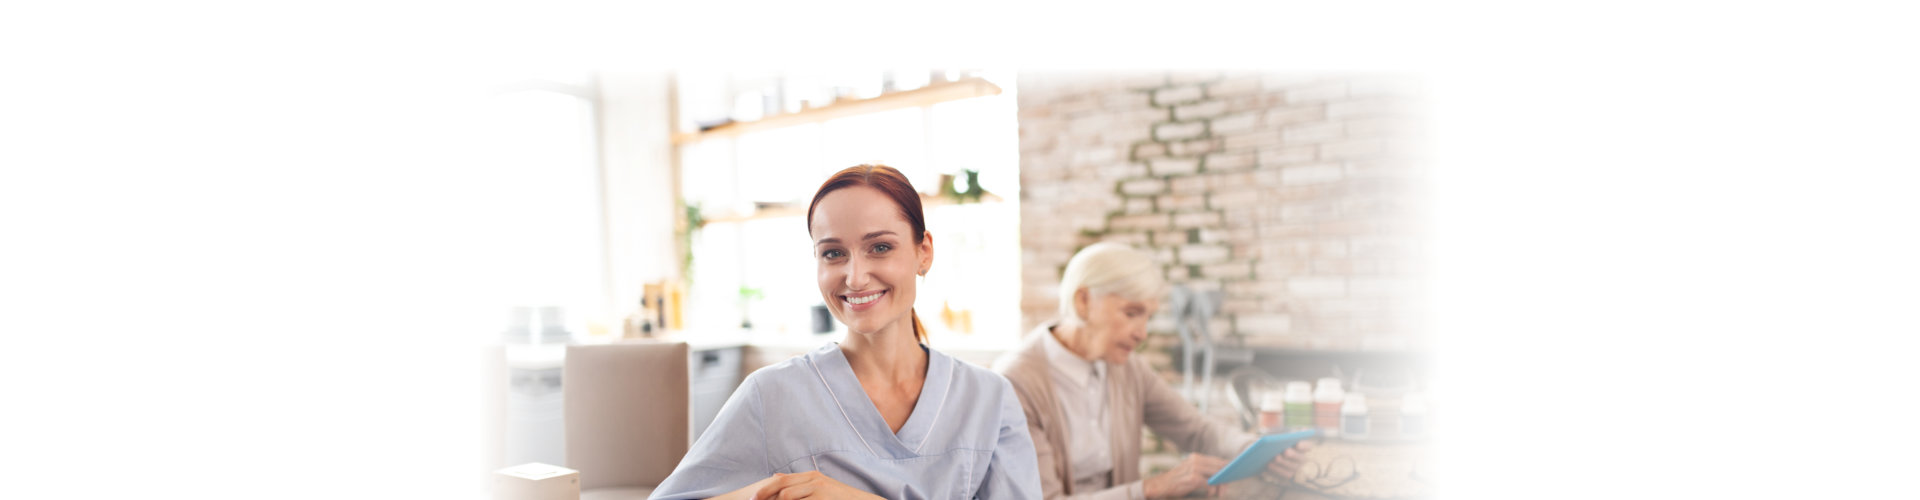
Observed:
{"x":891,"y":183}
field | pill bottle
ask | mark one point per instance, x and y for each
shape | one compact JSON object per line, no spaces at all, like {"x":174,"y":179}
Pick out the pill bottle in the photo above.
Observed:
{"x":1299,"y":404}
{"x":1353,"y":416}
{"x":1327,"y":397}
{"x":1273,"y":408}
{"x":1413,"y":415}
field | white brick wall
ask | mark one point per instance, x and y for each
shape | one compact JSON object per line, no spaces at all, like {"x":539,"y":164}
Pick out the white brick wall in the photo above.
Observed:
{"x":1235,"y":123}
{"x":1177,"y":95}
{"x":1173,"y":166}
{"x":1201,"y":254}
{"x":1196,"y":219}
{"x":1143,"y":186}
{"x":1224,"y":162}
{"x":1288,"y":192}
{"x":1180,"y":130}
{"x":1208,"y":109}
{"x":1310,"y":174}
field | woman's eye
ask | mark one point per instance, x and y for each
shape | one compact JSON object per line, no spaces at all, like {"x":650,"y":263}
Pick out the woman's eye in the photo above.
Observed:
{"x":882,"y":248}
{"x":831,"y":254}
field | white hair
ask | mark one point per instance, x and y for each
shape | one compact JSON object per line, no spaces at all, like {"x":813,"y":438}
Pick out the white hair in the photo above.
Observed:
{"x":1108,"y":269}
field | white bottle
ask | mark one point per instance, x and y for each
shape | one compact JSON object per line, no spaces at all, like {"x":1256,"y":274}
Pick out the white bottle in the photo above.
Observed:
{"x":1353,"y":416}
{"x":1413,"y":415}
{"x":1327,"y":397}
{"x":1273,"y":412}
{"x":1299,"y":404}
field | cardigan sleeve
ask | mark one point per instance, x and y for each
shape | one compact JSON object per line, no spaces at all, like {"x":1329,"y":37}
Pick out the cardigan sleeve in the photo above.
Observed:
{"x":1172,"y":418}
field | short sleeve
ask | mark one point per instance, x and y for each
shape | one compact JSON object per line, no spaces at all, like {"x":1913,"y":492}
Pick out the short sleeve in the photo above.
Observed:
{"x":730,"y":455}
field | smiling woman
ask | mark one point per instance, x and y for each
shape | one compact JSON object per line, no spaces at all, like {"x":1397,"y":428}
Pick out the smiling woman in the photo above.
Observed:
{"x":870,"y":201}
{"x":879,"y":414}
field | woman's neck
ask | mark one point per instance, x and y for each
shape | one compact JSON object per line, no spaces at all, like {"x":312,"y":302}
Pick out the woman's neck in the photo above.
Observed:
{"x":1073,"y":337}
{"x":891,"y":355}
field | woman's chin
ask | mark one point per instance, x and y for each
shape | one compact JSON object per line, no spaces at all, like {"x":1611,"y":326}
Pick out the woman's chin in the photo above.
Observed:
{"x":865,"y":327}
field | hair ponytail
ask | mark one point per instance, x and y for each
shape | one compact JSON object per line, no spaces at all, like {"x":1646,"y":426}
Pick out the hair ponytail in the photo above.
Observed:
{"x":919,"y":332}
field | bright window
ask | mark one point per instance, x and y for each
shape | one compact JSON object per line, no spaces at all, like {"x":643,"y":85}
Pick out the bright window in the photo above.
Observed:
{"x":547,"y":247}
{"x":753,"y":260}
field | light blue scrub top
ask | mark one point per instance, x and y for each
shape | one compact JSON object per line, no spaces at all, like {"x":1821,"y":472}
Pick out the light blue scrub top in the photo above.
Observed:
{"x":967,"y":436}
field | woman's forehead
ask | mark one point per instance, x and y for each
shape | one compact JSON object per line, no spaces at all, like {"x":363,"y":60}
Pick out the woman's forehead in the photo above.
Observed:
{"x":1124,"y":302}
{"x":857,"y":211}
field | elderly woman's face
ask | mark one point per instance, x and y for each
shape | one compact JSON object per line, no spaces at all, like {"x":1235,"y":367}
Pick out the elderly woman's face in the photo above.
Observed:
{"x":1117,"y":326}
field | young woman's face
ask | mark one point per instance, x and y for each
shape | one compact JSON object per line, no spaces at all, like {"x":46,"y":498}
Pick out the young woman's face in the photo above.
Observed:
{"x":867,"y":259}
{"x":1116,"y":326}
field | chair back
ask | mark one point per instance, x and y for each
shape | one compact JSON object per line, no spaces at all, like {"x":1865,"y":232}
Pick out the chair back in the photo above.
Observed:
{"x":627,"y":412}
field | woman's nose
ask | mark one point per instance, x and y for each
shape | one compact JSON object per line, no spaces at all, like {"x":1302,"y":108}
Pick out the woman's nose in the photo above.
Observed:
{"x":856,"y":275}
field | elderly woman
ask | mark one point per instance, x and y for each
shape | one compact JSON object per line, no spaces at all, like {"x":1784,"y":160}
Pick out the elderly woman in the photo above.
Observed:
{"x":1086,"y":396}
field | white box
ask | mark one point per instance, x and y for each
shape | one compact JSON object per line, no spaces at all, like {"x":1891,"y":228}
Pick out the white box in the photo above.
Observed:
{"x":536,"y":481}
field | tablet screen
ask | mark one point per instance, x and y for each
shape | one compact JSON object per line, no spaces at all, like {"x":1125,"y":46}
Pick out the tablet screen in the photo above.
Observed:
{"x":1255,"y":458}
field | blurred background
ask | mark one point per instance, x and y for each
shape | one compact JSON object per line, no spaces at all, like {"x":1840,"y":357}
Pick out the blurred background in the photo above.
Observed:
{"x":1621,"y":250}
{"x":671,"y":206}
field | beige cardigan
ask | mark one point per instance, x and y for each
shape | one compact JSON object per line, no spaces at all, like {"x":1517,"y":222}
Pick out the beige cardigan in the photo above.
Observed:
{"x":1137,"y":396}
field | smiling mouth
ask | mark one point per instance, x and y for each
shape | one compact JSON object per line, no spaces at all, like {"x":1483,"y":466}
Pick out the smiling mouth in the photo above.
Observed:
{"x":863,"y":299}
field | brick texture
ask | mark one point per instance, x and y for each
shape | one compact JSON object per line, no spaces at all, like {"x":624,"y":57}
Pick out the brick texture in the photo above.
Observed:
{"x":1293,"y":194}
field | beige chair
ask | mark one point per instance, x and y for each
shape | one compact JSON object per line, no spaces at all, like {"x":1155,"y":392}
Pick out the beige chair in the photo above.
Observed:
{"x":627,"y":416}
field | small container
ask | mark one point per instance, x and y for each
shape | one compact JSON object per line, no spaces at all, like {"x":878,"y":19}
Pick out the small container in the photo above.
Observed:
{"x":1353,"y":416}
{"x":1299,"y":403}
{"x":1413,"y":415}
{"x":1327,"y":397}
{"x":1273,"y":408}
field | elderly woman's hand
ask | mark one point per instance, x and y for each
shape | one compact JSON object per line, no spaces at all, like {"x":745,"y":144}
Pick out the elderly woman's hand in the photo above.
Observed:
{"x":1190,"y":475}
{"x":1287,"y":463}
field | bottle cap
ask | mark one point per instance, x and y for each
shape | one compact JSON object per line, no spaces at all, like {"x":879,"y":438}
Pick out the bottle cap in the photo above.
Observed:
{"x":1356,"y":403}
{"x":1299,"y":391}
{"x":1273,"y":400}
{"x":1328,"y":391}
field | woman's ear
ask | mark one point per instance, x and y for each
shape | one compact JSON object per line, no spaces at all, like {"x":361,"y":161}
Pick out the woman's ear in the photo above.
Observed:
{"x":926,"y":252}
{"x":1082,"y":304}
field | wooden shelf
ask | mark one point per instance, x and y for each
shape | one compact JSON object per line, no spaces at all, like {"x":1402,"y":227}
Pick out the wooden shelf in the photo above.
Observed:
{"x":964,"y":88}
{"x":927,"y":201}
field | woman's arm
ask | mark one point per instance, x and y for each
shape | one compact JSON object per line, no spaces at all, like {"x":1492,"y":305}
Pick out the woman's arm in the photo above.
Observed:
{"x":1052,"y":486}
{"x":732,"y":452}
{"x":1171,"y":417}
{"x":1013,"y":471}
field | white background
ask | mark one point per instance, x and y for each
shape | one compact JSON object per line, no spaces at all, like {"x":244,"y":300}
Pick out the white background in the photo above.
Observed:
{"x":1674,"y":240}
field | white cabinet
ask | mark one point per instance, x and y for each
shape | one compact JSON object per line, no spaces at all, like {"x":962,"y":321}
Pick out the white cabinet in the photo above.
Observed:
{"x":716,"y":372}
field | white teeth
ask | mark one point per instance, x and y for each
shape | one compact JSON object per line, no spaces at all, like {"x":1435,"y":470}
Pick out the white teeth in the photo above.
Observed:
{"x":863,"y":300}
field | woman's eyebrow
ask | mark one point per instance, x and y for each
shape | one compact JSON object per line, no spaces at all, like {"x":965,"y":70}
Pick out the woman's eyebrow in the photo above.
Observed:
{"x":869,"y":236}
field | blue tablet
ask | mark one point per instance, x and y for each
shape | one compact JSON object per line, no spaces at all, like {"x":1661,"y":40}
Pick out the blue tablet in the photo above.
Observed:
{"x":1255,"y":458}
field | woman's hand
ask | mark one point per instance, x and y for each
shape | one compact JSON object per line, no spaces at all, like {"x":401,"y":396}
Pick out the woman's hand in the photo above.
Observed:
{"x":746,"y":493}
{"x":1284,"y":465}
{"x":811,"y":484}
{"x":1190,"y":475}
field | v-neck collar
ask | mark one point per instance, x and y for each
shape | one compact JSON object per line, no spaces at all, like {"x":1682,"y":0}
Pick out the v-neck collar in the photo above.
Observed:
{"x":865,"y":418}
